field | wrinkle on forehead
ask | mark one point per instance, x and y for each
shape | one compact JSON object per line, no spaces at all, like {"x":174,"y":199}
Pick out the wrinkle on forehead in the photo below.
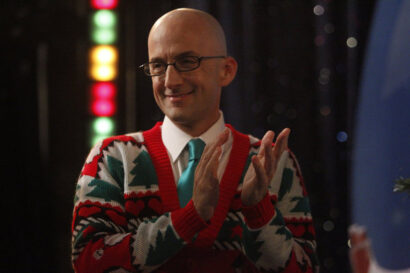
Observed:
{"x":194,"y":24}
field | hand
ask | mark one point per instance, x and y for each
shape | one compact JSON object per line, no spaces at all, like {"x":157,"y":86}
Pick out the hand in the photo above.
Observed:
{"x":206,"y":184}
{"x":263,"y":167}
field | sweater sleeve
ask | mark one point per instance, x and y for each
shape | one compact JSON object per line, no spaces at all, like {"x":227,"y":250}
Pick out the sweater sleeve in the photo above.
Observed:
{"x":278,"y":235}
{"x":106,"y":234}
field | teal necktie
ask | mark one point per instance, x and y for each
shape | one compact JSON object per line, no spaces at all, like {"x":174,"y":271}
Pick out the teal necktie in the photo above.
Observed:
{"x":186,"y":181}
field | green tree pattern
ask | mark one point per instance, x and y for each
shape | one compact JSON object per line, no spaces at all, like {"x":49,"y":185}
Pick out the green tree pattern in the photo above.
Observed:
{"x":165,"y":247}
{"x":77,"y":190}
{"x":278,"y":221}
{"x":106,"y":191}
{"x":144,"y":171}
{"x":302,"y":205}
{"x":251,"y":245}
{"x":286,"y":183}
{"x":116,"y":169}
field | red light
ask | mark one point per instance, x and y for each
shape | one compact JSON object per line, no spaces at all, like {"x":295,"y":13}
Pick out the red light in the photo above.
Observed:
{"x":103,"y":108}
{"x":104,"y":4}
{"x":103,"y":90}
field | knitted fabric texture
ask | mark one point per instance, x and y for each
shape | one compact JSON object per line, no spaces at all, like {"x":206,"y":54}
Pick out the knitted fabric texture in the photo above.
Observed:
{"x":127,"y":216}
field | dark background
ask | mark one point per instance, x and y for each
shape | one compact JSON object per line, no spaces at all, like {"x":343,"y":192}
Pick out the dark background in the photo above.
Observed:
{"x":295,"y":70}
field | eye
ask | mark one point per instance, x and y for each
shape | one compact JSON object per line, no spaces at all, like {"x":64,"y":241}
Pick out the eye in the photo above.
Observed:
{"x":156,"y":66}
{"x":187,"y":60}
{"x":187,"y":63}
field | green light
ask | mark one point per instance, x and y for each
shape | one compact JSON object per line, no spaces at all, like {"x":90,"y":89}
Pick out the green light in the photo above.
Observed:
{"x":104,"y":19}
{"x":103,"y":126}
{"x":104,"y":36}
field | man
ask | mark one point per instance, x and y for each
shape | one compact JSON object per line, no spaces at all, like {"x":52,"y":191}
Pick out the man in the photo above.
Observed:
{"x":149,"y":201}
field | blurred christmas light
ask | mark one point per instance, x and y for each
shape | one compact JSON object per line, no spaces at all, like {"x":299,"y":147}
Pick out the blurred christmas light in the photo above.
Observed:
{"x":103,"y":72}
{"x":103,"y":108}
{"x":323,"y":80}
{"x":104,"y":4}
{"x":325,"y":72}
{"x":104,"y":27}
{"x":328,"y":225}
{"x":351,"y":42}
{"x":319,"y":40}
{"x":104,"y":36}
{"x":103,"y":90}
{"x":103,"y":59}
{"x":318,"y":10}
{"x":103,"y":126}
{"x":342,"y":136}
{"x":103,"y":65}
{"x":104,"y":19}
{"x":325,"y":110}
{"x":103,"y":54}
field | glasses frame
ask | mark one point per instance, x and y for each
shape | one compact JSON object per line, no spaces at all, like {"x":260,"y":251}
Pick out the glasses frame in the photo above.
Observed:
{"x":145,"y":66}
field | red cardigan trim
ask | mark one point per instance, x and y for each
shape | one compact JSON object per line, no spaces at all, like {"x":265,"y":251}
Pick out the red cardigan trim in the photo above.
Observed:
{"x":227,"y":187}
{"x":160,"y":159}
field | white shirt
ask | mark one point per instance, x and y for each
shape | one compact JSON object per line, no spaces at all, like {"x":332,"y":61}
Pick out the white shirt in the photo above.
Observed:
{"x":176,"y":140}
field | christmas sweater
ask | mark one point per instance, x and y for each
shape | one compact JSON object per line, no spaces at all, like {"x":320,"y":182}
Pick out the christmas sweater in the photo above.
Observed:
{"x":127,"y":216}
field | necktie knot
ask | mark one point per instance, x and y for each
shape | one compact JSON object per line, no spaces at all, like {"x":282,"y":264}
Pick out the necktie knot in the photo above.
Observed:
{"x":196,"y":147}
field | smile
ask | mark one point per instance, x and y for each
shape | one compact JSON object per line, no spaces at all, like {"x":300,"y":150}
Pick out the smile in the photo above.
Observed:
{"x":177,"y":97}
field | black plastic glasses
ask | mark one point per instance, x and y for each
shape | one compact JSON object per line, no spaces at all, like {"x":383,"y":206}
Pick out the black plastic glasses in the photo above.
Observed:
{"x":181,"y":64}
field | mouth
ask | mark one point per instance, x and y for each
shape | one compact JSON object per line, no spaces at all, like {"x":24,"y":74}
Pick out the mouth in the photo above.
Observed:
{"x":178,"y":97}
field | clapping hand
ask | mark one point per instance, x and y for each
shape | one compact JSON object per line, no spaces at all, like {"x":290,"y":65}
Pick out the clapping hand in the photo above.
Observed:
{"x":263,"y":167}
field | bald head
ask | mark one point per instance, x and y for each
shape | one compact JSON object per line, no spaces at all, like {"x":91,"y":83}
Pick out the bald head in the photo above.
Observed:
{"x":194,"y":25}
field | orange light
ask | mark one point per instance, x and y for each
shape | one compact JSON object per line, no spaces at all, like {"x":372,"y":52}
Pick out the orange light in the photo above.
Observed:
{"x":104,"y":54}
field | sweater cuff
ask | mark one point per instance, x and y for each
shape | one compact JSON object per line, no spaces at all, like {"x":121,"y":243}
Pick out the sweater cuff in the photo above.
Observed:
{"x":187,"y":222}
{"x":260,"y":214}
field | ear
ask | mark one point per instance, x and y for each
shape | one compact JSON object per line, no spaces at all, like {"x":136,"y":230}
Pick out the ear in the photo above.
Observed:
{"x":228,"y":71}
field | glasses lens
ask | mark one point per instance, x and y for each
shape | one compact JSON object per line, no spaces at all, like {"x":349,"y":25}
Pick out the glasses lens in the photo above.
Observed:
{"x":187,"y":63}
{"x":155,"y":68}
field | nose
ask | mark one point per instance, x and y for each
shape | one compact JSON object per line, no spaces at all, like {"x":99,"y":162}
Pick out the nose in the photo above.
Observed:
{"x":173,"y":78}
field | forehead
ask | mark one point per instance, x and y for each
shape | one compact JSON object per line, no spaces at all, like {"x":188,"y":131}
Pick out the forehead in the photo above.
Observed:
{"x":172,"y":38}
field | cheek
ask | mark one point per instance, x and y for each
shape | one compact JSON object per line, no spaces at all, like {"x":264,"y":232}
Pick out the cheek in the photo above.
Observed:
{"x":156,"y":87}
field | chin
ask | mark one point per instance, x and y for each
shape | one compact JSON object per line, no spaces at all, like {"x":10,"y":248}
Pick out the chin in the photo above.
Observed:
{"x":178,"y":117}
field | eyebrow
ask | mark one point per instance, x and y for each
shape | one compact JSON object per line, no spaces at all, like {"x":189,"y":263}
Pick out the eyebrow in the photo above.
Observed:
{"x":182,"y":54}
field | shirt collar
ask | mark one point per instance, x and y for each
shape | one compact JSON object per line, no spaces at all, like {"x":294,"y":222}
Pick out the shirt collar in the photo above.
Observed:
{"x":175,"y":139}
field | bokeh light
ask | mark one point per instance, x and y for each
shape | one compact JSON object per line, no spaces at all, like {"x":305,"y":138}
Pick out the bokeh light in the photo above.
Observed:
{"x":351,"y":42}
{"x":103,"y":126}
{"x":342,"y":136}
{"x":104,"y":4}
{"x":103,"y":90}
{"x":318,"y":10}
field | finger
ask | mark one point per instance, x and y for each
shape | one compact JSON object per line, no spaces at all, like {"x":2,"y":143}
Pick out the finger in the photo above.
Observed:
{"x":281,"y":143}
{"x":208,"y":168}
{"x":260,"y":172}
{"x":266,"y":143}
{"x":213,"y":163}
{"x":223,"y":137}
{"x":265,"y":151}
{"x":210,"y":147}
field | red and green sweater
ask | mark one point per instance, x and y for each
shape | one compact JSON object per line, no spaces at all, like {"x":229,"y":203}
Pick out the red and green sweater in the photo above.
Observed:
{"x":127,"y":216}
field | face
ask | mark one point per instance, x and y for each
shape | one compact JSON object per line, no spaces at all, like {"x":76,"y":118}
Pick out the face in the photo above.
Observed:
{"x":189,"y":99}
